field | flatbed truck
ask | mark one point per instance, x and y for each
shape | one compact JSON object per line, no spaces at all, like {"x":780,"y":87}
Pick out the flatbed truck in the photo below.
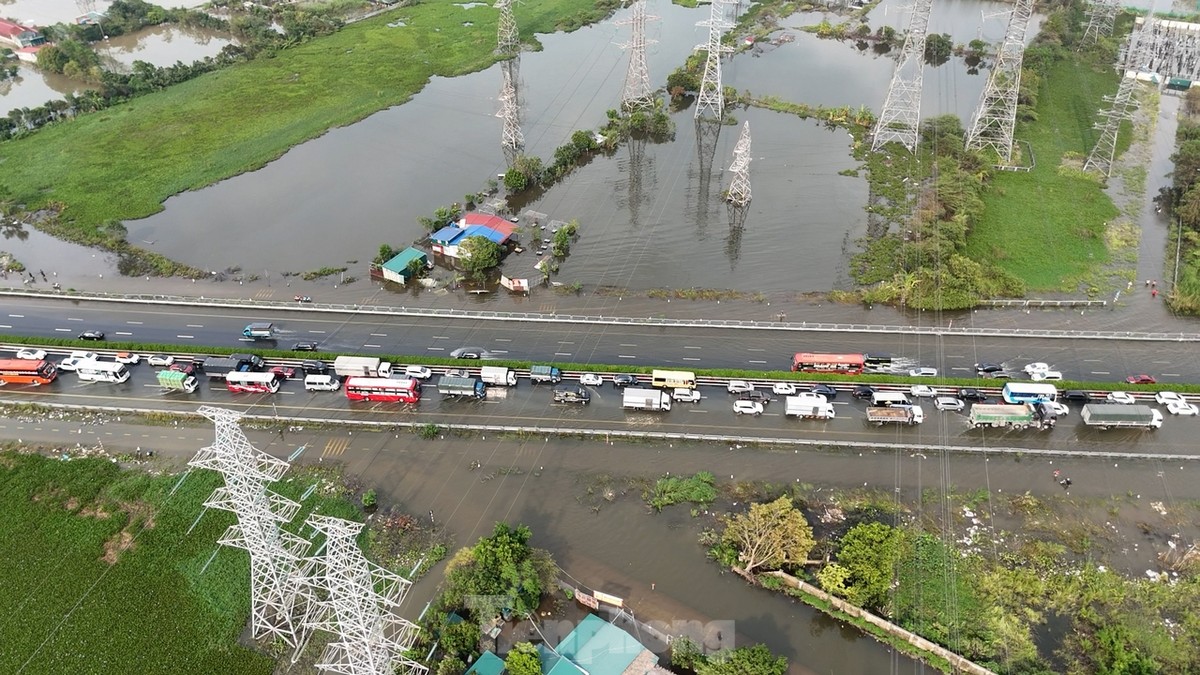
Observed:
{"x":1022,"y":416}
{"x":896,"y":414}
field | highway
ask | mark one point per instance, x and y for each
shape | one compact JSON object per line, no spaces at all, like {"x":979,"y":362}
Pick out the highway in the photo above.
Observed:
{"x":692,"y":348}
{"x":531,"y":405}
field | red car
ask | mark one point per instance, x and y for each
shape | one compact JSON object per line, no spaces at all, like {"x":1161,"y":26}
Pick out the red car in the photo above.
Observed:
{"x":286,"y":372}
{"x":1140,"y":379}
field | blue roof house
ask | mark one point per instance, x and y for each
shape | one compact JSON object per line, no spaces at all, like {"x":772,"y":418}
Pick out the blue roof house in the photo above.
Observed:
{"x":396,"y":269}
{"x":596,"y":647}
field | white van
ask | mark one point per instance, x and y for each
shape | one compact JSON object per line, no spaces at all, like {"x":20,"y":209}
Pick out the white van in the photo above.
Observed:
{"x":685,"y":394}
{"x":1044,"y":375}
{"x":321,"y":383}
{"x":889,"y":398}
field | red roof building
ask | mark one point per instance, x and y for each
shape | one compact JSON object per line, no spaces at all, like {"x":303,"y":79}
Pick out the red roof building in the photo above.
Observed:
{"x":19,"y":36}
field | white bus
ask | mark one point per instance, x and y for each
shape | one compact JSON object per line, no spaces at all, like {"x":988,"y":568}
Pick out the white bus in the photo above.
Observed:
{"x":673,"y":379}
{"x":1027,"y":392}
{"x":102,"y":371}
{"x":253,"y":383}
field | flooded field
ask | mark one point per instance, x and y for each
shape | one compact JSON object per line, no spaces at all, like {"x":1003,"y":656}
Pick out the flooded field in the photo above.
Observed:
{"x":162,"y":46}
{"x":32,"y":87}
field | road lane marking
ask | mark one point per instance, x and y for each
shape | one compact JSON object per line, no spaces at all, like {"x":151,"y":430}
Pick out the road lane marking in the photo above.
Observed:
{"x":436,"y":349}
{"x":1101,"y":372}
{"x":705,"y":412}
{"x":71,"y":318}
{"x":562,"y":353}
{"x":17,"y":316}
{"x":690,"y":358}
{"x":690,"y":347}
{"x":378,"y":334}
{"x":498,"y":351}
{"x":1092,"y":360}
{"x":564,"y":342}
{"x":1170,"y":375}
{"x":440,"y":337}
{"x":758,"y":362}
{"x":625,"y":356}
{"x":958,"y":368}
{"x":372,"y":346}
{"x":134,"y":323}
{"x":186,"y":337}
{"x":625,"y":345}
{"x":503,"y":339}
{"x":63,"y":330}
{"x":5,"y":326}
{"x":195,"y":325}
{"x":123,"y":333}
{"x":317,"y":331}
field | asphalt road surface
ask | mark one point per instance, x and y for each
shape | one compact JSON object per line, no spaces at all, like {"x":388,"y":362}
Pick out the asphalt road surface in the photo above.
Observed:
{"x":954,"y":356}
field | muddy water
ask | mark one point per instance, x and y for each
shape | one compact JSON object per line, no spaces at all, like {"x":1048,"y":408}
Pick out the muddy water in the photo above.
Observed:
{"x":648,"y":220}
{"x":32,"y":87}
{"x":161,"y":46}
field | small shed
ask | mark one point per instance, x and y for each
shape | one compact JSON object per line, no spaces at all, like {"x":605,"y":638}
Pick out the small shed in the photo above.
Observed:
{"x":397,"y":270}
{"x":487,"y":664}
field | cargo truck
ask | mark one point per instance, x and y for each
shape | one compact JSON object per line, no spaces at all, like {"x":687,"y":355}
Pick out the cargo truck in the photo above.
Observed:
{"x":540,"y":374}
{"x":259,"y":331}
{"x":361,"y":366}
{"x":897,"y":414}
{"x":461,"y":386}
{"x":1116,"y":416}
{"x":1036,"y":415}
{"x":806,"y":407}
{"x":645,"y":399}
{"x":175,"y":380}
{"x":498,"y":375}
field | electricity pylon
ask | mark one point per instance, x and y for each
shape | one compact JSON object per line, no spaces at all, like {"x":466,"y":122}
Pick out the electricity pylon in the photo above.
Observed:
{"x":711,"y":99}
{"x":739,"y":190}
{"x":274,"y":553}
{"x":900,"y":118}
{"x":508,"y":38}
{"x":1122,"y":104}
{"x":996,"y":116}
{"x":355,"y":599}
{"x":637,"y":94}
{"x":512,"y":140}
{"x":1101,"y":14}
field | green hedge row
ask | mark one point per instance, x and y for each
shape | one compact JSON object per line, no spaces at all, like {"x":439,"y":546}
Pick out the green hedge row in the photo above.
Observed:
{"x":146,"y":348}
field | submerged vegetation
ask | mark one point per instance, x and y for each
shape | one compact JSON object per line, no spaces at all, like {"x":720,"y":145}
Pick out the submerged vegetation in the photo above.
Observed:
{"x":1184,"y":244}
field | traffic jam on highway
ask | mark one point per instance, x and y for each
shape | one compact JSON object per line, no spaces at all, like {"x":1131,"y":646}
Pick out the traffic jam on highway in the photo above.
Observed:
{"x":1033,"y":403}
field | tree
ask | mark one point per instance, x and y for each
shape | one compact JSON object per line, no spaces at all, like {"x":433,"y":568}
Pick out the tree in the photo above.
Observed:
{"x":500,"y":572}
{"x":769,"y":536}
{"x":478,"y":255}
{"x":451,"y":666}
{"x":938,"y":48}
{"x":755,"y":660}
{"x":523,"y":660}
{"x":870,"y":552}
{"x":561,"y":246}
{"x":461,"y":639}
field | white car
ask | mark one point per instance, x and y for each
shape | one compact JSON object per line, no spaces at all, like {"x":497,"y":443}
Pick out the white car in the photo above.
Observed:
{"x":161,"y":360}
{"x":783,"y":389}
{"x":1037,"y":367}
{"x":923,"y":372}
{"x":32,"y":354}
{"x":949,"y":403}
{"x":739,"y":387}
{"x":1182,"y":408}
{"x":1168,"y":397}
{"x":70,"y":363}
{"x":1045,"y":375}
{"x":1120,"y":397}
{"x":128,"y":358}
{"x":84,"y":356}
{"x":747,"y":408}
{"x":418,"y":372}
{"x":686,"y":395}
{"x":922,"y":390}
{"x":591,"y":380}
{"x":1059,"y":409}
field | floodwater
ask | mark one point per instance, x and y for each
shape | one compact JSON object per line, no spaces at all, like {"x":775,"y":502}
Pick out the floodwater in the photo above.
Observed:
{"x":32,"y":87}
{"x":647,"y":219}
{"x":162,"y":46}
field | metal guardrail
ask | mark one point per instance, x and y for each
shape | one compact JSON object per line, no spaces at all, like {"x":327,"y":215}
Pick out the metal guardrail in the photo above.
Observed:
{"x":538,"y":317}
{"x":609,"y":435}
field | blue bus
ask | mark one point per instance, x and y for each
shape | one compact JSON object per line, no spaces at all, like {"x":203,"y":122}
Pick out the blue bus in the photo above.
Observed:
{"x":1029,"y":392}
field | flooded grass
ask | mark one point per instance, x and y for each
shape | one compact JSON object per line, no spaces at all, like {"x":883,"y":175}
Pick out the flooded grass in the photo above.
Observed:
{"x":122,"y":163}
{"x":1046,"y":226}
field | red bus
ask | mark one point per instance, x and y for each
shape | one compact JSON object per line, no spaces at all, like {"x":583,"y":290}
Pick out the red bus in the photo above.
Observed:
{"x":383,"y":389}
{"x":24,"y":371}
{"x":847,"y":364}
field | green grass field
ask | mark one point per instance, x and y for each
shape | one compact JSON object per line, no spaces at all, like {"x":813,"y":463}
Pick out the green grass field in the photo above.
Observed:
{"x":1043,"y":226}
{"x":123,"y":162}
{"x":65,"y":609}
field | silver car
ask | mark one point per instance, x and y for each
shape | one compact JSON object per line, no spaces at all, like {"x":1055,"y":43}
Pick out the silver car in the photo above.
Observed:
{"x":949,"y":403}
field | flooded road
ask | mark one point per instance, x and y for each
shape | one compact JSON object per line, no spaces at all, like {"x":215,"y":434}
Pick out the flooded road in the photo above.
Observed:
{"x":647,"y":220}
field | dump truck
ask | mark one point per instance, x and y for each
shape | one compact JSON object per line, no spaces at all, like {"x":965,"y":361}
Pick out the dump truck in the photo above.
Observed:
{"x":261,"y":330}
{"x":361,"y":366}
{"x":539,"y":374}
{"x":1104,"y":416}
{"x":498,"y":375}
{"x":461,"y":386}
{"x":1023,"y":416}
{"x":896,"y":414}
{"x":645,"y":399}
{"x":806,"y":407}
{"x":175,"y":380}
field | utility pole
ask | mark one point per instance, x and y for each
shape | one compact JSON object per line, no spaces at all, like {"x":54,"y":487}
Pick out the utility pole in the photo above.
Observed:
{"x":900,"y":118}
{"x":711,"y":100}
{"x":996,"y":116}
{"x":637,"y":94}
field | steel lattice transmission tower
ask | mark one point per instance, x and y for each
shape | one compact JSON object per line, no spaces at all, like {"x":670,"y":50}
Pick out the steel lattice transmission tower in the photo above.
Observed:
{"x":274,"y":553}
{"x":512,"y":139}
{"x":1122,"y":104}
{"x":900,"y":119}
{"x":508,"y":38}
{"x":711,"y":100}
{"x":355,"y":599}
{"x":1101,"y":14}
{"x":739,"y":190}
{"x":997,"y":114}
{"x":637,"y":93}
